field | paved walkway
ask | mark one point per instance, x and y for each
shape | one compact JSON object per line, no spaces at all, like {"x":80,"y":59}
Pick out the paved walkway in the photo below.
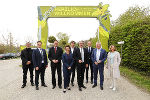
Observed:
{"x":11,"y":81}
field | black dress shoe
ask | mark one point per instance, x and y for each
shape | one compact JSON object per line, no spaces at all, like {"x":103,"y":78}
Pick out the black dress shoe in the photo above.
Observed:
{"x":83,"y":87}
{"x":60,"y":87}
{"x":101,"y":87}
{"x":80,"y":89}
{"x":72,"y":84}
{"x":64,"y":90}
{"x":53,"y":87}
{"x":37,"y":88}
{"x":94,"y":86}
{"x":69,"y":88}
{"x":23,"y":86}
{"x":32,"y":84}
{"x":44,"y":85}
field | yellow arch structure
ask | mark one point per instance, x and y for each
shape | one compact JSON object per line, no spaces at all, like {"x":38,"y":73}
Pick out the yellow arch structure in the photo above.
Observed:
{"x":100,"y":12}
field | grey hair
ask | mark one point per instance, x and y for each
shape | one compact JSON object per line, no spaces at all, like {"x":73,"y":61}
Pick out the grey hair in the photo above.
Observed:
{"x":98,"y":43}
{"x":81,"y":41}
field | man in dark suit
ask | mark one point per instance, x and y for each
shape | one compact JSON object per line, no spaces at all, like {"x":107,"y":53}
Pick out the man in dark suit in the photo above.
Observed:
{"x":55,"y":56}
{"x":82,"y":62}
{"x":90,"y":64}
{"x":40,"y":63}
{"x":26,"y":57}
{"x":98,"y":56}
{"x":73,"y":49}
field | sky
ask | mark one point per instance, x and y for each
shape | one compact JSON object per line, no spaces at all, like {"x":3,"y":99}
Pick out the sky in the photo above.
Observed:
{"x":20,"y":18}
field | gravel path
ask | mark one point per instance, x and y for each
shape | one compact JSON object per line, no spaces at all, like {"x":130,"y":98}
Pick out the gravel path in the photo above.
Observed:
{"x":11,"y":81}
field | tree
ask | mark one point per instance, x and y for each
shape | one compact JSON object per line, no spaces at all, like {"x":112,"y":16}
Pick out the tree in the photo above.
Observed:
{"x":2,"y":48}
{"x":133,"y":27}
{"x":63,"y":39}
{"x":133,"y":13}
{"x":9,"y":44}
{"x":51,"y":39}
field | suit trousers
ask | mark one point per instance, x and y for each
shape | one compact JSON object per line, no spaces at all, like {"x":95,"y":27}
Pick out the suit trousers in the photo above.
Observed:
{"x":25,"y":70}
{"x":40,"y":72}
{"x":99,"y":68}
{"x":54,"y":67}
{"x":73,"y":72}
{"x":66,"y":75}
{"x":87,"y":70}
{"x":80,"y":73}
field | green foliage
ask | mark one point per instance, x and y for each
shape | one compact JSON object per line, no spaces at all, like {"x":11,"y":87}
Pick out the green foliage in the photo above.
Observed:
{"x":2,"y":48}
{"x":63,"y":39}
{"x":133,"y":13}
{"x":51,"y":39}
{"x":136,"y":34}
{"x":94,"y":40}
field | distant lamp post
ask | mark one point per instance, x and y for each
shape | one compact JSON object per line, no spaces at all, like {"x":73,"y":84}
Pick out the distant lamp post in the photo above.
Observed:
{"x":121,"y":43}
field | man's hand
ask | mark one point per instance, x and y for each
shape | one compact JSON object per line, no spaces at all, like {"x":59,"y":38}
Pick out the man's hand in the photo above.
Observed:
{"x":28,"y":62}
{"x":36,"y":68}
{"x":99,"y":61}
{"x":96,"y":63}
{"x":69,"y":68}
{"x":54,"y":61}
{"x":80,"y":61}
{"x":86,"y":65}
{"x":46,"y":66}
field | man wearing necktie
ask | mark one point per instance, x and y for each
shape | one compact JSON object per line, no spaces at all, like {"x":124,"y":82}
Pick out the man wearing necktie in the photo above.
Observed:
{"x":98,"y":57}
{"x":73,"y":50}
{"x":55,"y":56}
{"x":82,"y":62}
{"x":90,"y":64}
{"x":40,"y":63}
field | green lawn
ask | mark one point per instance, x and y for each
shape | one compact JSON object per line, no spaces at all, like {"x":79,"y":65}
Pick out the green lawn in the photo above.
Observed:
{"x":136,"y":78}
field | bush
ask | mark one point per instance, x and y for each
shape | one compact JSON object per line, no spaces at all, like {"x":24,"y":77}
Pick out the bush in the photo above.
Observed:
{"x":136,"y":35}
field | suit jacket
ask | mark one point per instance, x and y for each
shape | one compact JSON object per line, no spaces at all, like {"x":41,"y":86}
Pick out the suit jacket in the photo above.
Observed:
{"x":103,"y":56}
{"x":115,"y":65}
{"x":57,"y":56}
{"x":67,"y":61}
{"x":90,"y":53}
{"x":74,"y":54}
{"x":26,"y":55}
{"x":37,"y":58}
{"x":78,"y":55}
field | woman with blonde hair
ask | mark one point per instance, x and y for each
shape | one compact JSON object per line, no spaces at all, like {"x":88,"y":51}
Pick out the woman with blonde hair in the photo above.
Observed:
{"x":113,"y":62}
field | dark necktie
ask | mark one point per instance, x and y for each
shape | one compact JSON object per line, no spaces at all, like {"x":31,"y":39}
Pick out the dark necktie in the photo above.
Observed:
{"x":55,"y":50}
{"x":89,"y":50}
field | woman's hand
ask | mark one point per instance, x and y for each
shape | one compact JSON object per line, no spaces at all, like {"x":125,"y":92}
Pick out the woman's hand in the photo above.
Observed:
{"x":96,"y":63}
{"x":107,"y":67}
{"x":69,"y":68}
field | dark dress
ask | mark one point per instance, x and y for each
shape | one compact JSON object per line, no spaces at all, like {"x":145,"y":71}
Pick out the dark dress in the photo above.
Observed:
{"x":67,"y":62}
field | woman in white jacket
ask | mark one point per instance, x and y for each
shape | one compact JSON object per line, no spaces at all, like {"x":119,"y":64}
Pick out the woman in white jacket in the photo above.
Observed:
{"x":113,"y":62}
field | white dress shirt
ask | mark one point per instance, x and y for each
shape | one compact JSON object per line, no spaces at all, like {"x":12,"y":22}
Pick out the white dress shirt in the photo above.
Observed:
{"x":98,"y":54}
{"x":41,"y":52}
{"x":82,"y":54}
{"x":72,"y":49}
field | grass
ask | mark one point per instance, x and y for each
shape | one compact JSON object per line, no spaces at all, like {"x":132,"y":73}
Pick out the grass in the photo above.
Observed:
{"x":136,"y":78}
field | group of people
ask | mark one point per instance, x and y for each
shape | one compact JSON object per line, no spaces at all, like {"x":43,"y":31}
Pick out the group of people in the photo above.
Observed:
{"x":74,"y":59}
